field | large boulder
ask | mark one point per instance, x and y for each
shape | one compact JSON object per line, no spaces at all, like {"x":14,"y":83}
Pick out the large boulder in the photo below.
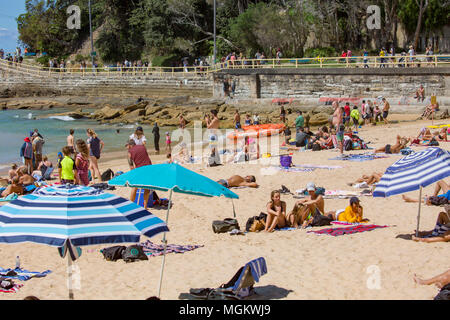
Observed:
{"x":319,"y":119}
{"x":138,"y":106}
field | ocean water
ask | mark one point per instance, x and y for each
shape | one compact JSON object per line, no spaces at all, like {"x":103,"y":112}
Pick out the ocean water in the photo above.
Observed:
{"x":15,"y":125}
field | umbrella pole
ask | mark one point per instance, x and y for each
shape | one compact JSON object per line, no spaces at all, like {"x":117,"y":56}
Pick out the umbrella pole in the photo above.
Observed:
{"x":69,"y":265}
{"x":418,"y":215}
{"x":234,"y":211}
{"x":165,"y":246}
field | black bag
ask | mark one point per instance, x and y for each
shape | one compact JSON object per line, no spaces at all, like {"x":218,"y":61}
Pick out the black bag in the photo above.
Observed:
{"x":113,"y":253}
{"x":316,"y":147}
{"x":348,"y":145}
{"x":107,"y":175}
{"x":321,"y":220}
{"x":6,"y":284}
{"x":444,"y":294}
{"x":262,"y":216}
{"x":433,"y":142}
{"x":226,"y":225}
{"x":438,"y":201}
{"x":133,"y":253}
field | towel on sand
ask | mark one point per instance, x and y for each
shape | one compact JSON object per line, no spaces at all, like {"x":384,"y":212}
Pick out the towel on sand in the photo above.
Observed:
{"x":360,"y":157}
{"x":152,"y":249}
{"x":348,"y":230}
{"x":14,"y":289}
{"x":22,"y":274}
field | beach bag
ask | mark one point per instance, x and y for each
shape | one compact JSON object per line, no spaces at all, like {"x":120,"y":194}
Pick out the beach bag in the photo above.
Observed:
{"x":107,"y":175}
{"x":257,"y":225}
{"x":438,"y":201}
{"x":222,"y":226}
{"x":286,"y":161}
{"x":316,"y":147}
{"x":113,"y":253}
{"x":348,"y":145}
{"x":262,"y":217}
{"x":321,"y":220}
{"x":133,"y":253}
{"x":444,"y":294}
{"x":6,"y":284}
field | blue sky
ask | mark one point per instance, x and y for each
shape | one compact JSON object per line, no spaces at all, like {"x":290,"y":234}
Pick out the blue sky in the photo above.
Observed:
{"x":9,"y":11}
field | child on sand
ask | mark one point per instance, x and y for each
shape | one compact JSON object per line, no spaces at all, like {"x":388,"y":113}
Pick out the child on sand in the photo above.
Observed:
{"x":168,"y":142}
{"x":355,"y":117}
{"x":82,"y":162}
{"x":67,"y":169}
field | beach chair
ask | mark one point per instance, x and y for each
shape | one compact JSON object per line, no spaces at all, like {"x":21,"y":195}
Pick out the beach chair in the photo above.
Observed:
{"x":139,"y":200}
{"x":48,"y":174}
{"x":239,"y":287}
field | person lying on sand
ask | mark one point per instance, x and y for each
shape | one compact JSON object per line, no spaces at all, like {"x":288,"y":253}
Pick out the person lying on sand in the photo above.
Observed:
{"x":440,"y":280}
{"x":353,"y":213}
{"x":14,"y":187}
{"x":238,"y":181}
{"x":441,"y":232}
{"x":400,"y":144}
{"x":369,"y":180}
{"x":426,"y":136}
{"x":24,"y":178}
{"x":276,"y":212}
{"x":440,"y":185}
{"x":313,"y":203}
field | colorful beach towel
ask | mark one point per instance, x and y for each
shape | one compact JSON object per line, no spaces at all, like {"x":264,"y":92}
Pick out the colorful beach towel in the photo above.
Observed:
{"x":294,"y":169}
{"x":14,"y":289}
{"x":22,"y":274}
{"x":348,"y":230}
{"x":360,"y":157}
{"x":154,"y":250}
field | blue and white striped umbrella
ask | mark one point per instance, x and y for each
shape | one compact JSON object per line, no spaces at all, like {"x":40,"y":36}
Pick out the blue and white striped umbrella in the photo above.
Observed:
{"x":82,"y":215}
{"x":414,"y":171}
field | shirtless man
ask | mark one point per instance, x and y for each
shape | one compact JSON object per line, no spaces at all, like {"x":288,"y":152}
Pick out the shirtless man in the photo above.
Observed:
{"x":441,"y":232}
{"x":237,"y":120}
{"x":386,"y":107}
{"x":212,"y":123}
{"x":14,"y":187}
{"x":12,"y":172}
{"x":70,"y":140}
{"x":420,"y":94}
{"x":402,"y":142}
{"x":337,"y":123}
{"x":312,"y":204}
{"x":238,"y":181}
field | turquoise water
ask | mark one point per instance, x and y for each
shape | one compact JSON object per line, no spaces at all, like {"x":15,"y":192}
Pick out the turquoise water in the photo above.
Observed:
{"x":15,"y":125}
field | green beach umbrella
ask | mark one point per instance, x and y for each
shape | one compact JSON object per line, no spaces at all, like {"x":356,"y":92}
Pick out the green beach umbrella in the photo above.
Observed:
{"x":172,"y":178}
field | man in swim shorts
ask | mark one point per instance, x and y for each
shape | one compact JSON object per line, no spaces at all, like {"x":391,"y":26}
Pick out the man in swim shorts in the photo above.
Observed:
{"x":385,"y":111}
{"x":314,"y":203}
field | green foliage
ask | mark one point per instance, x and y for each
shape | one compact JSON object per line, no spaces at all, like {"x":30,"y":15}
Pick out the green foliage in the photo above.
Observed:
{"x":43,"y":60}
{"x":166,"y":61}
{"x":322,"y":52}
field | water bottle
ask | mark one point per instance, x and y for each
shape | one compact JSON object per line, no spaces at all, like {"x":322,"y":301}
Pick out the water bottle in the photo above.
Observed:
{"x":17,"y":262}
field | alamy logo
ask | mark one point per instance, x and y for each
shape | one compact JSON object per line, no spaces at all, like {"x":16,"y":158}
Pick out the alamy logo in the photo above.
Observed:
{"x":74,"y":20}
{"x":374,"y":280}
{"x":374,"y":19}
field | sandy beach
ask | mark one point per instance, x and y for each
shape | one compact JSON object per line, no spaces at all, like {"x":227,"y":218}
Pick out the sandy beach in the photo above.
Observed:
{"x":300,"y":265}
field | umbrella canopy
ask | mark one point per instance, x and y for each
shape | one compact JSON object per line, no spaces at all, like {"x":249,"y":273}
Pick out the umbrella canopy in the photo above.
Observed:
{"x":83,"y":215}
{"x":165,"y":177}
{"x":414,"y":171}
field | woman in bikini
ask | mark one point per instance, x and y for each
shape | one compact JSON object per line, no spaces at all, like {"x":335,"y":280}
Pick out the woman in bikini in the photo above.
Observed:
{"x":402,"y":142}
{"x":276,"y":212}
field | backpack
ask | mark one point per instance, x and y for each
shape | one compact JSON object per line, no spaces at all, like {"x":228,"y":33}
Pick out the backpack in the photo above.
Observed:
{"x":438,"y":201}
{"x":316,"y":147}
{"x":222,"y":226}
{"x":348,"y":145}
{"x":444,"y":294}
{"x":113,"y":253}
{"x":133,"y":253}
{"x":107,"y":175}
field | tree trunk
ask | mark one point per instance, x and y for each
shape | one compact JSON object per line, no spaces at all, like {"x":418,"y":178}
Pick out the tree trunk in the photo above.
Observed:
{"x":422,"y":8}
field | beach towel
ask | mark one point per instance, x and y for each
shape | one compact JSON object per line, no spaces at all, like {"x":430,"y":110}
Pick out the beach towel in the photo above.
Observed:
{"x":154,"y":250}
{"x":22,"y":274}
{"x":294,"y":169}
{"x":14,"y":289}
{"x":313,"y":166}
{"x":330,"y":194}
{"x":360,"y":157}
{"x":348,"y":230}
{"x":10,"y":197}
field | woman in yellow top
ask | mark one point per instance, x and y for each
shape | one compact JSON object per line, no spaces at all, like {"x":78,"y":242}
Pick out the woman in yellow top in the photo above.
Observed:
{"x":353,"y":213}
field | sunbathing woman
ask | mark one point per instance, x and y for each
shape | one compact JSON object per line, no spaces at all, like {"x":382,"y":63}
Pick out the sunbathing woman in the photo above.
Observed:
{"x":441,"y":232}
{"x":440,"y":135}
{"x":14,"y":187}
{"x":401,"y":144}
{"x":369,"y":180}
{"x":440,"y":185}
{"x":276,"y":212}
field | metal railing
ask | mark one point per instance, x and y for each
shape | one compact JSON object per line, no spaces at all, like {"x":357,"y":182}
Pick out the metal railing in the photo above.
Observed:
{"x":204,"y":71}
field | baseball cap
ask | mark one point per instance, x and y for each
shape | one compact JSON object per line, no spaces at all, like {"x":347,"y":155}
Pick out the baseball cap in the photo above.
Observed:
{"x":311,"y":186}
{"x":354,"y":200}
{"x":139,"y":128}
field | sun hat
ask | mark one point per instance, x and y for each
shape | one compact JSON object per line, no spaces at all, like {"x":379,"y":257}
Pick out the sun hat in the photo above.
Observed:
{"x":311,"y":186}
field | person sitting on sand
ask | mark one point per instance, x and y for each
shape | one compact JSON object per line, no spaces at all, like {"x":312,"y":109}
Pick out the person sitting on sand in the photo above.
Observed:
{"x":14,"y":187}
{"x":440,"y":280}
{"x":276,"y":212}
{"x":402,"y":142}
{"x":314,"y":203}
{"x":369,"y":180}
{"x":24,"y":178}
{"x":299,"y":216}
{"x":12,"y":172}
{"x":420,"y":94}
{"x":238,"y":181}
{"x":42,"y":168}
{"x":353,"y":213}
{"x":441,"y":232}
{"x":430,"y":109}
